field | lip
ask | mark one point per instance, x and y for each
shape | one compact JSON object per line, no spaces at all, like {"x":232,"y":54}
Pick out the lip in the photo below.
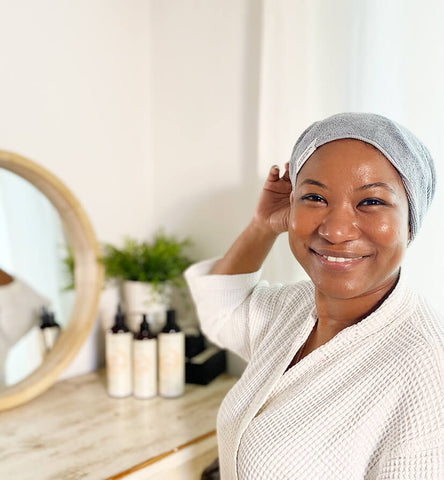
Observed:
{"x":339,"y":261}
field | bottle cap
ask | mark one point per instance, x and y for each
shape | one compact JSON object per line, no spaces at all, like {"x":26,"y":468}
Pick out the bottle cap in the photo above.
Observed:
{"x":144,"y":332}
{"x":119,"y":321}
{"x":171,"y":316}
{"x":144,"y":327}
{"x":45,"y":320}
{"x":171,"y":325}
{"x":52,"y":321}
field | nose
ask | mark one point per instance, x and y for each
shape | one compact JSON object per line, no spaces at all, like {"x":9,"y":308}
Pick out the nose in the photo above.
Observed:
{"x":339,"y":225}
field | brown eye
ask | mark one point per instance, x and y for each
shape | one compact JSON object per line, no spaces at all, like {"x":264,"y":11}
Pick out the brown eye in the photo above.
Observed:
{"x":313,"y":197}
{"x":370,"y":202}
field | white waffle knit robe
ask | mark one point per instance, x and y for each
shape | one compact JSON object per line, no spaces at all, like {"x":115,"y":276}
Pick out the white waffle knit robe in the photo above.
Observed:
{"x":19,"y":312}
{"x":369,"y":404}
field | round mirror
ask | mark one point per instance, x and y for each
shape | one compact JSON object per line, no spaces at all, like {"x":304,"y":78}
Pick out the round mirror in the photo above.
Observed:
{"x":43,"y":229}
{"x":36,"y":291}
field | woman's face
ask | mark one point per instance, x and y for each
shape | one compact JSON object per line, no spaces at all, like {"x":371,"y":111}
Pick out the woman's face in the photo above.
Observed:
{"x":349,"y":220}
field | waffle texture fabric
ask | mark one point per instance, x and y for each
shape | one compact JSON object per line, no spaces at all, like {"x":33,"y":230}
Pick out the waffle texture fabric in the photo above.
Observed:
{"x":403,"y":150}
{"x":369,"y":404}
{"x":19,"y":313}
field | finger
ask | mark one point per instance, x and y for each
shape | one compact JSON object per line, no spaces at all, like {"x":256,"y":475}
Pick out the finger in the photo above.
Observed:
{"x":286,"y":175}
{"x":273,"y":175}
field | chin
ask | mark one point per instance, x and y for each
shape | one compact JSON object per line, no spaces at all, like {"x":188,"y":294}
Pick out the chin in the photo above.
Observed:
{"x":343,"y":293}
{"x":340,"y":290}
{"x":344,"y":289}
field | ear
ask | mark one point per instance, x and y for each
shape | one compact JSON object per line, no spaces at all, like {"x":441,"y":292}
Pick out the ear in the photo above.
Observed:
{"x":410,"y":236}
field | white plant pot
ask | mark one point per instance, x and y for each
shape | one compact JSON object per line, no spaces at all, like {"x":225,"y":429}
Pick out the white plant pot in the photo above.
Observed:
{"x":142,"y":297}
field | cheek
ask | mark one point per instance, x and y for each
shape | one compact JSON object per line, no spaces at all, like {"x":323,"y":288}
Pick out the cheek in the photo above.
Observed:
{"x":302,"y":223}
{"x":389,"y":231}
{"x":386,"y":232}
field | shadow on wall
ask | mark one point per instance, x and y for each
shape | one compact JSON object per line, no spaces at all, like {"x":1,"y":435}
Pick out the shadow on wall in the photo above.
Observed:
{"x":213,"y":221}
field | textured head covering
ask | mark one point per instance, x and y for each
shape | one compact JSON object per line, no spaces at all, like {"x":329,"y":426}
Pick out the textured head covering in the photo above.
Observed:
{"x":402,"y":149}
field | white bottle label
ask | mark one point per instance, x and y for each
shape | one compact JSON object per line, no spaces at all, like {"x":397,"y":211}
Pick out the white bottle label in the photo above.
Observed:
{"x":171,"y":364}
{"x":50,"y":334}
{"x":43,"y":347}
{"x":119,"y":364}
{"x":145,"y":368}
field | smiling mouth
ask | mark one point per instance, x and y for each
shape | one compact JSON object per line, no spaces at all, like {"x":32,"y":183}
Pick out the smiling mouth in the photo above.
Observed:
{"x":337,"y":259}
{"x":340,"y":259}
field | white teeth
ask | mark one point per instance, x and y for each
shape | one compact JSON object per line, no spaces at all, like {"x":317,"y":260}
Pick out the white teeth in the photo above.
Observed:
{"x":340,"y":259}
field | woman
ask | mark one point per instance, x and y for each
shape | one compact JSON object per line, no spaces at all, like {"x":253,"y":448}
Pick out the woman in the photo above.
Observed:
{"x":345,"y":373}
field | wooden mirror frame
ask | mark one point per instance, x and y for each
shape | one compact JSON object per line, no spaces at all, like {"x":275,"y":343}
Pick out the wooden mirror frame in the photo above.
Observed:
{"x":88,"y":276}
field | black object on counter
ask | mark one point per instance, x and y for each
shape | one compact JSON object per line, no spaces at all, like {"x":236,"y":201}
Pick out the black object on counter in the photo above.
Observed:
{"x":206,"y":366}
{"x":194,"y":344}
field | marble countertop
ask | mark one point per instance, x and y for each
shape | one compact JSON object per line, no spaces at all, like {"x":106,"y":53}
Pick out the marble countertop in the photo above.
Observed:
{"x":76,"y":431}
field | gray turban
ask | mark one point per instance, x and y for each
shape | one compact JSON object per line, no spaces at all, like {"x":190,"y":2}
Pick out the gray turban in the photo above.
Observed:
{"x":402,"y":149}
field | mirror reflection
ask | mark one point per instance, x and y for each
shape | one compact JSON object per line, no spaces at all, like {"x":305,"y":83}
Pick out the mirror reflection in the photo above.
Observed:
{"x":35,"y":302}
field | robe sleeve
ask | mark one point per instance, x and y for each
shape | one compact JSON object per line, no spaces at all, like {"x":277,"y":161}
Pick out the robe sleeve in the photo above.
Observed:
{"x":235,"y":311}
{"x":19,"y":310}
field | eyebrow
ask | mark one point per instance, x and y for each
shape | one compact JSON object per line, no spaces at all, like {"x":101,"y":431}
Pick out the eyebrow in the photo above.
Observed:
{"x":377,"y":184}
{"x":310,"y":181}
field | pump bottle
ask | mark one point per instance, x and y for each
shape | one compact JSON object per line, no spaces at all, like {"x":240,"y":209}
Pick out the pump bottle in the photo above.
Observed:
{"x":49,"y":330}
{"x":144,"y":362}
{"x":171,"y":358}
{"x":118,"y":345}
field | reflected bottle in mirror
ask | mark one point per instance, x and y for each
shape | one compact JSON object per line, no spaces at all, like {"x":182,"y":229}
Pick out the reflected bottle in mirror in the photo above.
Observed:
{"x":49,"y":330}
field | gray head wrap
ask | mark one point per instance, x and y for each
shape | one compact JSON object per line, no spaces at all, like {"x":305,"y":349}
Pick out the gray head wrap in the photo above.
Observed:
{"x":402,"y":149}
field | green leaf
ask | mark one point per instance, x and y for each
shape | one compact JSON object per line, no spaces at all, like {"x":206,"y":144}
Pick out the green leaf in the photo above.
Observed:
{"x":161,"y":260}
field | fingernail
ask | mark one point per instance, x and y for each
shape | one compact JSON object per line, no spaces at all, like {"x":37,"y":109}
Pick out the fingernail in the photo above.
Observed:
{"x":276,"y":167}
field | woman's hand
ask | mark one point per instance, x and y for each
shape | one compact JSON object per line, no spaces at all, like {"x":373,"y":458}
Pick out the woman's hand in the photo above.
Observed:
{"x":273,"y":208}
{"x":252,"y":246}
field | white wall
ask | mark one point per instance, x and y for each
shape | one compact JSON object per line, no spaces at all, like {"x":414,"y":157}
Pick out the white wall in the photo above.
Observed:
{"x":204,"y":89}
{"x":74,"y":98}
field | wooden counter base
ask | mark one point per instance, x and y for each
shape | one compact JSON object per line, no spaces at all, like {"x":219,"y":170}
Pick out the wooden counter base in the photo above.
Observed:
{"x":75,"y":431}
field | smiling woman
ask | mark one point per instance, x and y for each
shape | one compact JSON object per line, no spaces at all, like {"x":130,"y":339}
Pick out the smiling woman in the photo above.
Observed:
{"x":349,"y":222}
{"x":345,"y":372}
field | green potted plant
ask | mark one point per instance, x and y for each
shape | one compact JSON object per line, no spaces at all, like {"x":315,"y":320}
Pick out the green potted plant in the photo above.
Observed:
{"x":147,"y":271}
